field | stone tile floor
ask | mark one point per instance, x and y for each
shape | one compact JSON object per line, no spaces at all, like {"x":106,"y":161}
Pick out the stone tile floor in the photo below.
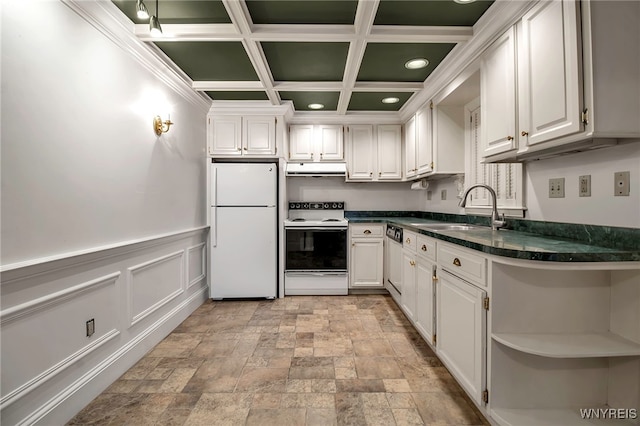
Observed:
{"x":321,"y":360}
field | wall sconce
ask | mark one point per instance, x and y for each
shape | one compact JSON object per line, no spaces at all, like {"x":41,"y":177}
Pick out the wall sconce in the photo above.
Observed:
{"x":160,"y":126}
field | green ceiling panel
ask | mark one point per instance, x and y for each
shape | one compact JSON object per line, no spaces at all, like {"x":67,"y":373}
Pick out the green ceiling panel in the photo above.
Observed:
{"x":372,"y":101}
{"x":210,"y":60}
{"x":385,"y":61}
{"x":238,"y":96}
{"x":433,"y":12}
{"x":301,"y":100}
{"x":179,"y":11}
{"x":291,"y":61}
{"x":302,"y":12}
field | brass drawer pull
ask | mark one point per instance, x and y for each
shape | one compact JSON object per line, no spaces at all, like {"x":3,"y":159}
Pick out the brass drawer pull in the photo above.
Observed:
{"x":509,"y":138}
{"x":408,"y":240}
{"x":523,"y":133}
{"x":424,"y":247}
{"x":367,"y":232}
{"x":456,"y":262}
{"x":412,"y":263}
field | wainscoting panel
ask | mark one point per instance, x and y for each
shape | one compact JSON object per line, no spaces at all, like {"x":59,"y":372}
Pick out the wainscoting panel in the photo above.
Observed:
{"x":50,"y":368}
{"x":153,"y":284}
{"x":197,"y":264}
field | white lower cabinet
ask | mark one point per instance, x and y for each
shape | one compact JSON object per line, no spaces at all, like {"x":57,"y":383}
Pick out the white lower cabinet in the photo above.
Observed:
{"x":425,"y":299}
{"x":461,"y":324}
{"x":366,"y":256}
{"x":408,"y":296}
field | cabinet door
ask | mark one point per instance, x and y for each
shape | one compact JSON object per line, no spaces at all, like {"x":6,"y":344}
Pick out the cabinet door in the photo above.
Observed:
{"x":424,"y":141}
{"x":498,"y":96}
{"x":361,"y":152}
{"x":395,"y":264}
{"x":259,"y":136}
{"x":461,"y":329}
{"x":409,"y":284}
{"x":389,"y":152}
{"x":549,"y":73}
{"x":330,"y":143}
{"x":366,"y":262}
{"x":410,"y":148}
{"x":301,"y":142}
{"x":424,"y":298}
{"x":226,"y":139}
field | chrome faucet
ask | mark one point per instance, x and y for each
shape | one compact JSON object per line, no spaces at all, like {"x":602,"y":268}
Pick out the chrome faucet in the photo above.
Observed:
{"x":496,"y":221}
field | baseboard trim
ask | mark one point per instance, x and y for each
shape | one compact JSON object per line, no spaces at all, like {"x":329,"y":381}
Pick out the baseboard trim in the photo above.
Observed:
{"x":77,"y":395}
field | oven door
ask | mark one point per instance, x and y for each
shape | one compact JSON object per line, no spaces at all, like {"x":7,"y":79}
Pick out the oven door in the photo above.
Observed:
{"x":316,"y":249}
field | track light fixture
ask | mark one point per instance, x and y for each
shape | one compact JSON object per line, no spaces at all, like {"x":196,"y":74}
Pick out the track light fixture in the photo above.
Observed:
{"x":141,"y":10}
{"x":154,"y":24}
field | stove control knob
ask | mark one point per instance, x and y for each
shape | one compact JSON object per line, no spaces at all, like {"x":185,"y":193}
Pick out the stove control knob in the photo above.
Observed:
{"x":305,"y":206}
{"x":326,"y":205}
{"x":297,"y":205}
{"x":334,"y":205}
{"x":292,"y":205}
{"x":340,"y":205}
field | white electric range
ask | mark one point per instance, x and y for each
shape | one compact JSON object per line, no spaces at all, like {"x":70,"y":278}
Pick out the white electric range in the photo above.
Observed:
{"x":316,"y":249}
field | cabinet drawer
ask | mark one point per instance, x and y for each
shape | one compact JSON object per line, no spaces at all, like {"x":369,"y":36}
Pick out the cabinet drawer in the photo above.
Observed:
{"x":409,"y":240}
{"x":367,"y":230}
{"x":426,"y":247}
{"x":463,"y":263}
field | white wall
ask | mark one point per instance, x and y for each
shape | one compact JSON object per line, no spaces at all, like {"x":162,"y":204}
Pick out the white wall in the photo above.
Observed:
{"x":81,"y":166}
{"x":602,"y":208}
{"x":101,"y":219}
{"x":356,"y":195}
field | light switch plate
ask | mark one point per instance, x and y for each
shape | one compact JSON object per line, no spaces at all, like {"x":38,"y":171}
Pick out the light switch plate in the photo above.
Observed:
{"x":556,"y":188}
{"x":621,"y":184}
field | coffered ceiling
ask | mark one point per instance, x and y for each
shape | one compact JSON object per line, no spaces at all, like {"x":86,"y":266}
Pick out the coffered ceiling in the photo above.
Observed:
{"x":347,"y":55}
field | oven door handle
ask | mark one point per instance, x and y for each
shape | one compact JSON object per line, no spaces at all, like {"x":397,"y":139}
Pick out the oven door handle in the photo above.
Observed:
{"x":315,"y":274}
{"x":316,"y":228}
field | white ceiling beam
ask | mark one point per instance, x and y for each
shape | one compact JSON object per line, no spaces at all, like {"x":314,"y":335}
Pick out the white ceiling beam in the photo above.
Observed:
{"x":413,"y":34}
{"x":308,"y":86}
{"x":238,"y":86}
{"x":241,"y":19}
{"x":190,"y":32}
{"x":387,"y":86}
{"x":365,"y":15}
{"x":304,"y":33}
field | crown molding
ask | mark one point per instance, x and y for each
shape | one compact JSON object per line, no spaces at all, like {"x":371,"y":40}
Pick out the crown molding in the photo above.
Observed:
{"x":105,"y":17}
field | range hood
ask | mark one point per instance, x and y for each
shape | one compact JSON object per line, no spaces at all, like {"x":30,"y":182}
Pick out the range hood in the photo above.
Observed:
{"x":316,"y":169}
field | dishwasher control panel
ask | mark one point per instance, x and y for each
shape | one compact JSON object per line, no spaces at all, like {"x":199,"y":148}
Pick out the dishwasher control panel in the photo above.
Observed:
{"x":395,"y":233}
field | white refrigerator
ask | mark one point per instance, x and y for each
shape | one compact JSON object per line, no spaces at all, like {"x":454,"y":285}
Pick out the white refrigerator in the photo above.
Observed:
{"x":244,"y":255}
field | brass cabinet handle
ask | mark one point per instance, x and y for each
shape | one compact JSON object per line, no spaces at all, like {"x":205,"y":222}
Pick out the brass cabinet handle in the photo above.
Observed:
{"x":424,"y":247}
{"x":353,"y":244}
{"x":320,"y":155}
{"x":456,"y":262}
{"x":412,"y":263}
{"x":245,"y":148}
{"x":366,"y":231}
{"x":379,"y":173}
{"x":523,"y":133}
{"x":370,"y":173}
{"x":408,"y":240}
{"x":239,"y":149}
{"x":509,"y":138}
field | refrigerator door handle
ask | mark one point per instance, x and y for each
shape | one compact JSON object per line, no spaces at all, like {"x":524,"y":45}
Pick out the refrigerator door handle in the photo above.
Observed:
{"x":214,"y":224}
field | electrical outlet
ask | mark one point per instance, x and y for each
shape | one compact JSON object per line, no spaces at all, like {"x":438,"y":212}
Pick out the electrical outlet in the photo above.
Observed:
{"x":621,"y":182}
{"x":91,"y":327}
{"x":584,"y":186}
{"x":556,"y":188}
{"x":429,"y":195}
{"x":443,"y":194}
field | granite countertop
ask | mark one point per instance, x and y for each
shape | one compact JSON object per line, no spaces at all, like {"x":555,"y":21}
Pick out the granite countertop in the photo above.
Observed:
{"x":512,"y":243}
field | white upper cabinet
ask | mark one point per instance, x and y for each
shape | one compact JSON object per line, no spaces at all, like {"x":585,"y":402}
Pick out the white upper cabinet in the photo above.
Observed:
{"x":374,"y":152}
{"x":410,"y":148}
{"x":316,"y":143}
{"x":236,"y":136}
{"x":389,"y":152}
{"x":424,"y":140}
{"x":549,"y":77}
{"x":498,"y":95}
{"x":547,"y":84}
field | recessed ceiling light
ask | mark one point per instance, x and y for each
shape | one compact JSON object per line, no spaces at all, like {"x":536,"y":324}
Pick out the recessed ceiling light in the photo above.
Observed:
{"x":464,"y":1}
{"x":415,"y":64}
{"x":315,"y":106}
{"x":390,"y":100}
